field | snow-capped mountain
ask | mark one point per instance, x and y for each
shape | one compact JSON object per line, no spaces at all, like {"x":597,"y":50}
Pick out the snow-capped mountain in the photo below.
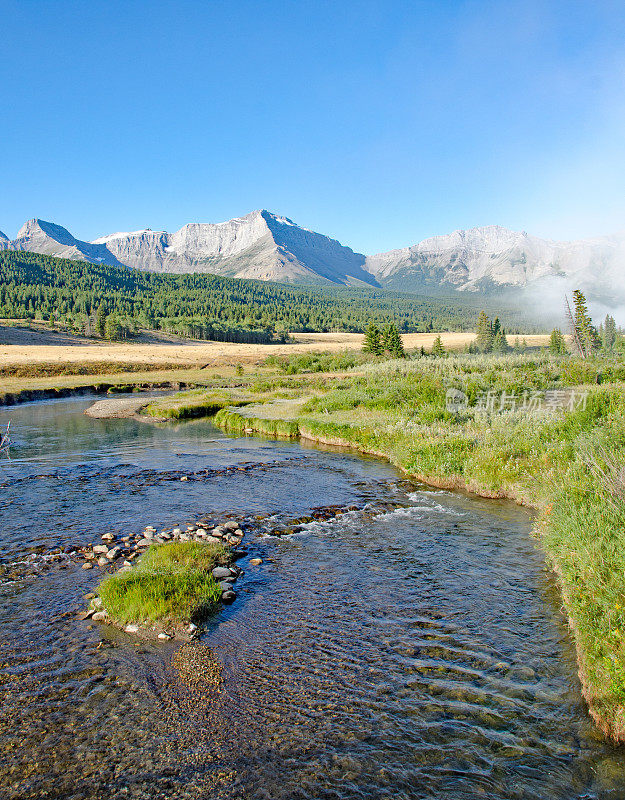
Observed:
{"x":270,"y":247}
{"x":493,"y":257}
{"x":259,"y":245}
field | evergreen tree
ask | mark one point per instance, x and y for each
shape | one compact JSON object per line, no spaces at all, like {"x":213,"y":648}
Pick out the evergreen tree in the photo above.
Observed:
{"x":557,"y":345}
{"x":608,"y":342}
{"x":438,"y":349}
{"x":373,"y":340}
{"x":112,"y":327}
{"x":584,"y":328}
{"x":100,"y":321}
{"x":500,"y":342}
{"x":392,"y":342}
{"x":484,"y":339}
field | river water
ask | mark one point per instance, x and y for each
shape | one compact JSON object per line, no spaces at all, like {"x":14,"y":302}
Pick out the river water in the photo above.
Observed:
{"x":411,"y":648}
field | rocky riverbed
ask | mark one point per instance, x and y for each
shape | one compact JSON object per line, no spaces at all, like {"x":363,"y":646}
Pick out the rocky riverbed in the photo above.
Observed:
{"x":119,"y":554}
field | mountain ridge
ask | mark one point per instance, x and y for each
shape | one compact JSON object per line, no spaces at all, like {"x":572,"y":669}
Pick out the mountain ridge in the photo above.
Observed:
{"x":266,"y":246}
{"x":260,"y":245}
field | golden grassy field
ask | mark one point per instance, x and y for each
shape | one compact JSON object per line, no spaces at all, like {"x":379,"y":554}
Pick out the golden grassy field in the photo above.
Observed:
{"x":195,"y":353}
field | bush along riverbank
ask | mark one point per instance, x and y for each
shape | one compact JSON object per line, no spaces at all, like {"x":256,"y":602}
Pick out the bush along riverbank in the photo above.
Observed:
{"x":546,"y":432}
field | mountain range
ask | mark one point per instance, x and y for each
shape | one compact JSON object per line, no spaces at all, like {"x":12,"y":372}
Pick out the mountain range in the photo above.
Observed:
{"x":270,"y":247}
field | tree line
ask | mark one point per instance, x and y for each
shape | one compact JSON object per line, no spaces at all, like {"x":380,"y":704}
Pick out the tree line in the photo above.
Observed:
{"x":79,"y":295}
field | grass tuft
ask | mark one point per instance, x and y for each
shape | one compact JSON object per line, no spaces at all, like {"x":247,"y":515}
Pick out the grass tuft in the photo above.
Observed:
{"x":171,"y":582}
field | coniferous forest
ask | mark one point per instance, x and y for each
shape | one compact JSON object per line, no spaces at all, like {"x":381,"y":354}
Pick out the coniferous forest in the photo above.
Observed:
{"x":116,"y":302}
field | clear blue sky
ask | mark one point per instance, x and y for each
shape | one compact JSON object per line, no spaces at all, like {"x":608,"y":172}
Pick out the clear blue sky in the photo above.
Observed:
{"x":378,"y":123}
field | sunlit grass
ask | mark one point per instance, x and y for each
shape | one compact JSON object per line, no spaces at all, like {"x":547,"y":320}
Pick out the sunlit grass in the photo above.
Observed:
{"x":172,"y":582}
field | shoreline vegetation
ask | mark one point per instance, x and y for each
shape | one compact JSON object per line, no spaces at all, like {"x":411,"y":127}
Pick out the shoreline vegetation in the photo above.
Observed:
{"x":522,"y":435}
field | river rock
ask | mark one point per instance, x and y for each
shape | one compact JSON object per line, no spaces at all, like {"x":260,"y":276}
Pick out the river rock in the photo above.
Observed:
{"x":103,"y":561}
{"x":99,"y":616}
{"x":225,"y":585}
{"x":256,"y":562}
{"x":164,"y":636}
{"x":148,"y":534}
{"x":113,"y":553}
{"x":176,"y":532}
{"x":231,"y":525}
{"x":101,"y":548}
{"x":239,"y":533}
{"x":184,"y":537}
{"x":221,"y":572}
{"x":200,"y":532}
{"x":144,"y":543}
{"x":87,"y":565}
{"x":228,"y":596}
{"x":108,"y":537}
{"x":219,"y":531}
{"x":132,"y":629}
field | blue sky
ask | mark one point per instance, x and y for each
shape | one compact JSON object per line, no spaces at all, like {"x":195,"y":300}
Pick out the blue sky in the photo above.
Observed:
{"x":378,"y":123}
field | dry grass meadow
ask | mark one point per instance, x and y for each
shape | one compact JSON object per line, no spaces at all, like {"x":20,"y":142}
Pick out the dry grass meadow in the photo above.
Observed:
{"x":24,"y":348}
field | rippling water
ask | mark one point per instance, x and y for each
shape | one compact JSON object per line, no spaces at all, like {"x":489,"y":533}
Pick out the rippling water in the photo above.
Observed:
{"x":415,"y":653}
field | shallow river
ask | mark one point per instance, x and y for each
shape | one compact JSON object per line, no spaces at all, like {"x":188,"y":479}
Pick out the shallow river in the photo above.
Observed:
{"x":412,"y":648}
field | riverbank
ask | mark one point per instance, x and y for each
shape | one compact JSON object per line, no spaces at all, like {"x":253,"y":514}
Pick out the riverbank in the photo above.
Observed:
{"x":546,"y":433}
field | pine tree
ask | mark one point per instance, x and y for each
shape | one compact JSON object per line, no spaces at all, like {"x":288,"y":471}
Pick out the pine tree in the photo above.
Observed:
{"x":391,"y":341}
{"x":373,"y":341}
{"x":112,"y":327}
{"x":484,"y":338}
{"x":500,"y":342}
{"x":100,"y":321}
{"x":557,"y":345}
{"x":608,"y":342}
{"x":583,"y":324}
{"x":438,"y":349}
